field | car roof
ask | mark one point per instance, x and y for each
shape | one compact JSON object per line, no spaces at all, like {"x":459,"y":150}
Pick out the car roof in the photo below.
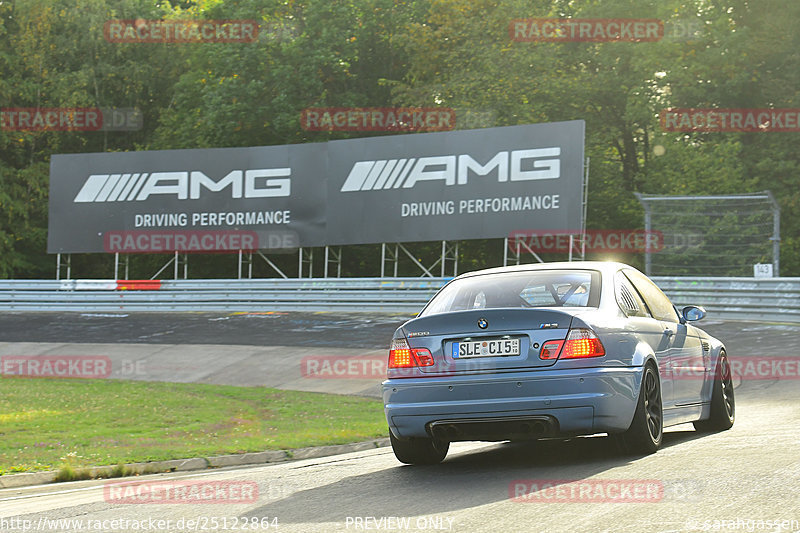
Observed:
{"x":605,"y":267}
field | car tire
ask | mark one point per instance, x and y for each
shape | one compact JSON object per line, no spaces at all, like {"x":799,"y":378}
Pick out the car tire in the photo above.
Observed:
{"x":723,"y":404}
{"x":419,"y":451}
{"x":646,"y":432}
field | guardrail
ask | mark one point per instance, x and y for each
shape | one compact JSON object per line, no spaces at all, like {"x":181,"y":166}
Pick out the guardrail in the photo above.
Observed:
{"x":402,"y":295}
{"x":764,"y":299}
{"x":770,"y":300}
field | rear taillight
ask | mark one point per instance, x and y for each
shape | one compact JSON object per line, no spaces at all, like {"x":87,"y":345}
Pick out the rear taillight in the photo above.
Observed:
{"x":402,"y":356}
{"x":580,"y":343}
{"x":550,"y":350}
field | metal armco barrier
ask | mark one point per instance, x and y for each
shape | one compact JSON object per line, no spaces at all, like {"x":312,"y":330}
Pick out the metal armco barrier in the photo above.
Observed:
{"x":767,"y":300}
{"x":764,"y":300}
{"x":401,"y":295}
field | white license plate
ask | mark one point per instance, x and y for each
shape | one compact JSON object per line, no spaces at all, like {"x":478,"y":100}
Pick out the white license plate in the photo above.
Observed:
{"x":486,"y":348}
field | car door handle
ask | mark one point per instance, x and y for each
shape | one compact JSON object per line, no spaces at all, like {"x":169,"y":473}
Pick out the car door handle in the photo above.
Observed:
{"x":668,"y":332}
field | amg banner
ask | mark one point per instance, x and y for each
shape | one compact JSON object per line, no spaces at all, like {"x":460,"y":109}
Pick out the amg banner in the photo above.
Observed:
{"x":204,"y":200}
{"x":455,"y":185}
{"x":458,"y":185}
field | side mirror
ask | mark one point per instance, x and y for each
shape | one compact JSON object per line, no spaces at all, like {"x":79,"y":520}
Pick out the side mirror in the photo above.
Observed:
{"x":693,"y":313}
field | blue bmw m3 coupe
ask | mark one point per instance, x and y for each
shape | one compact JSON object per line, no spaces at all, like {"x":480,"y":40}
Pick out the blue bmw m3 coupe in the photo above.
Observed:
{"x":552,"y":350}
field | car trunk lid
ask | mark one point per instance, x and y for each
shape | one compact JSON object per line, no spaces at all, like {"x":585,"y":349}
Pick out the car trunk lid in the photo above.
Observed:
{"x":479,"y":340}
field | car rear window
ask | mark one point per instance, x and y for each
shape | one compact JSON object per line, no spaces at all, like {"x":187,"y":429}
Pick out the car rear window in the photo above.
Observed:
{"x":534,"y":288}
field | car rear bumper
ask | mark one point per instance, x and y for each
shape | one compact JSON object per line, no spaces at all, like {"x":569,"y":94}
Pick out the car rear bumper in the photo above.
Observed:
{"x":566,"y":402}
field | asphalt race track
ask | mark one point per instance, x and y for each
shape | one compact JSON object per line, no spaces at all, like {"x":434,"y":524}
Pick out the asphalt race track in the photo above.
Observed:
{"x":353,"y":330}
{"x":328,"y":329}
{"x":745,"y":479}
{"x":272,"y":349}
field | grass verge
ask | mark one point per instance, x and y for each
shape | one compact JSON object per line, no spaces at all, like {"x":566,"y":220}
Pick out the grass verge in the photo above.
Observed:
{"x":70,"y":424}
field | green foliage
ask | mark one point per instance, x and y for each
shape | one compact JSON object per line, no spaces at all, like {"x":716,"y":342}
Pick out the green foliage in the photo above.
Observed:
{"x":23,"y":219}
{"x":120,"y":470}
{"x":68,"y":473}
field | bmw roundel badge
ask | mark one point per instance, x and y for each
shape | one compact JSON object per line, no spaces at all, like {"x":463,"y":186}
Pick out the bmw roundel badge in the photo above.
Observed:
{"x":483,"y":323}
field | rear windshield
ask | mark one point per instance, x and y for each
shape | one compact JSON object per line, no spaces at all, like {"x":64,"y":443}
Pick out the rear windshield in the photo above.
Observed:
{"x":534,"y":288}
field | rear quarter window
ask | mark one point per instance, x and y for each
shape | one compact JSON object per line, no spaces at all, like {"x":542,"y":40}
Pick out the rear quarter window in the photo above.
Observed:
{"x":657,"y":302}
{"x":627,"y":298}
